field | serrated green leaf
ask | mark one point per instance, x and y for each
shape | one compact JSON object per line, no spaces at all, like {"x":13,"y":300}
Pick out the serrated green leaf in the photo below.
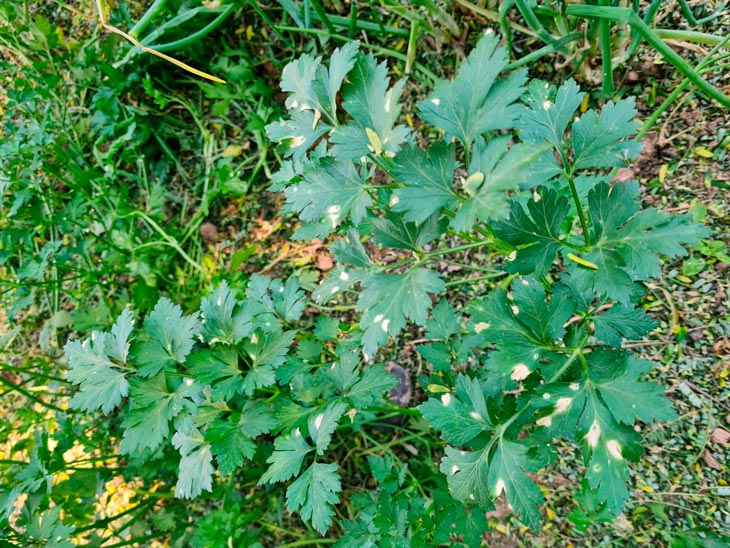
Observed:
{"x":371,"y":385}
{"x":394,"y":231}
{"x":475,"y":102}
{"x":358,"y":534}
{"x":349,"y":250}
{"x":229,"y":443}
{"x":344,"y":371}
{"x":388,"y":299}
{"x":507,"y":475}
{"x":314,"y":493}
{"x":286,"y":460}
{"x":467,"y":474}
{"x":102,"y":383}
{"x":428,"y":178}
{"x":218,"y":367}
{"x":605,"y":444}
{"x":332,"y":194}
{"x":297,"y":79}
{"x":196,"y":463}
{"x":270,"y":349}
{"x":599,"y":140}
{"x":462,"y":416}
{"x":616,"y":377}
{"x":147,"y":424}
{"x":444,"y":322}
{"x":326,"y":328}
{"x":535,"y":232}
{"x":437,"y":354}
{"x":459,"y":523}
{"x":626,"y":242}
{"x":546,"y":120}
{"x":47,"y":529}
{"x":373,"y":107}
{"x":340,"y":279}
{"x":223,"y":318}
{"x":168,"y":338}
{"x":521,"y":328}
{"x":622,"y":321}
{"x":297,"y":134}
{"x":501,"y":168}
{"x":323,"y":423}
{"x":328,"y":82}
{"x":289,"y":300}
{"x":118,"y":343}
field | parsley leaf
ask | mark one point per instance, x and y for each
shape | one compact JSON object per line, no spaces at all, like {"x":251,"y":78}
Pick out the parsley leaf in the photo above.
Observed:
{"x":475,"y":102}
{"x":314,"y":493}
{"x":495,"y":168}
{"x":168,"y":338}
{"x":535,"y":232}
{"x":331,"y":194}
{"x":388,"y":299}
{"x":223,"y":318}
{"x":102,"y":382}
{"x":374,"y":109}
{"x":626,"y":241}
{"x":461,"y":417}
{"x":428,"y":178}
{"x":286,"y":460}
{"x":196,"y":468}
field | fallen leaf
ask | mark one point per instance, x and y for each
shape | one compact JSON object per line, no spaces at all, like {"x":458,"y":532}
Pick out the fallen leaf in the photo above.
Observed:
{"x":721,"y":436}
{"x":324,"y":262}
{"x":624,"y":174}
{"x":209,"y":233}
{"x":711,"y":461}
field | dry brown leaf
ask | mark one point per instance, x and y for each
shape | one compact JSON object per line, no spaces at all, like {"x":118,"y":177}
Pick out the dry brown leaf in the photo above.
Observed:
{"x":721,"y":436}
{"x":324,"y":262}
{"x":209,"y":233}
{"x":711,"y":461}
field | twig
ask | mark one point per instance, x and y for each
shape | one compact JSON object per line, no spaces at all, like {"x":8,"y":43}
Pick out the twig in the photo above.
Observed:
{"x":700,"y":391}
{"x":115,"y":30}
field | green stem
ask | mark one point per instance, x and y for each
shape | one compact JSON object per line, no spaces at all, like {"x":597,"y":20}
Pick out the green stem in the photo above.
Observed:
{"x":7,"y":367}
{"x":268,"y":21}
{"x":476,"y":279}
{"x":347,"y":23}
{"x":103,"y":522}
{"x":543,"y":51}
{"x":690,"y":16}
{"x":307,"y":542}
{"x":172,"y":242}
{"x":579,"y":208}
{"x":322,"y":15}
{"x":689,"y":36}
{"x":677,"y":91}
{"x":628,"y":16}
{"x":32,"y":396}
{"x":606,"y":54}
{"x":196,"y":36}
{"x":534,"y":23}
{"x":156,"y":7}
{"x":455,"y":249}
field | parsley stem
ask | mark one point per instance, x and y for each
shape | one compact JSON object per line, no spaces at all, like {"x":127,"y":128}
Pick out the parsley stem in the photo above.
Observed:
{"x":576,"y":199}
{"x":455,"y":249}
{"x":307,"y":542}
{"x":476,"y":279}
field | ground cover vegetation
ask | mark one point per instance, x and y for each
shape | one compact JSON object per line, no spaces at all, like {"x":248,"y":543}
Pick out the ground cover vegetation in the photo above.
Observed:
{"x":414,"y":274}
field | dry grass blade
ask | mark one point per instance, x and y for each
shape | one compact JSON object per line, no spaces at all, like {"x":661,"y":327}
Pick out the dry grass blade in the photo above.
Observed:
{"x":184,"y":66}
